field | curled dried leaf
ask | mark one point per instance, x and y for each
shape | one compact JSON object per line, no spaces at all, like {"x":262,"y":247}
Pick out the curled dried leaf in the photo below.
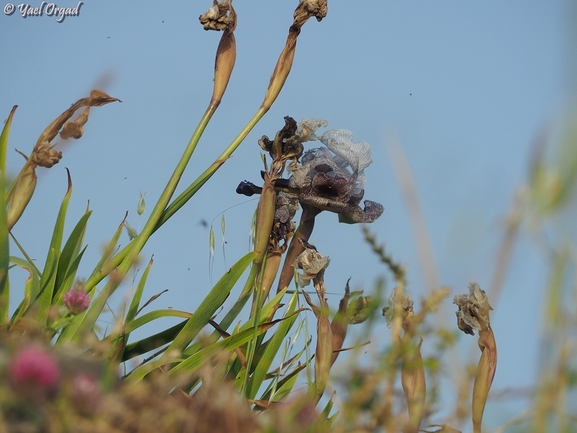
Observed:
{"x":312,"y":263}
{"x":46,"y":156}
{"x":97,"y":98}
{"x":75,"y":129}
{"x":310,"y":8}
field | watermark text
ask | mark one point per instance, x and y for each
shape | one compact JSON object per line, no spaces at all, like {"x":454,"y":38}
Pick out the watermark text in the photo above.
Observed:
{"x":44,"y":9}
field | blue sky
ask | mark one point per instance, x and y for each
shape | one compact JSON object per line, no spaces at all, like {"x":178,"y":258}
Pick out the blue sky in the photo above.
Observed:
{"x":465,"y":87}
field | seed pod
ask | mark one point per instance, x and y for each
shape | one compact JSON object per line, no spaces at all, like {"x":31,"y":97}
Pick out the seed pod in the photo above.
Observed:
{"x":484,"y":376}
{"x":414,"y":386}
{"x":20,"y":196}
{"x":324,"y":349}
{"x":264,"y":218}
{"x":225,"y":59}
{"x":323,"y":353}
{"x":282,"y":68}
{"x":304,"y":10}
{"x":339,"y":324}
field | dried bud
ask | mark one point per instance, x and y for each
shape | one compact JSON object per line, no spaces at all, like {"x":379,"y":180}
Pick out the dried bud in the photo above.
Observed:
{"x":77,"y":300}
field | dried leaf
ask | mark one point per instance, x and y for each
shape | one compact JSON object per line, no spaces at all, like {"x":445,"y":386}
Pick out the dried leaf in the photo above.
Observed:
{"x":75,"y":129}
{"x":97,"y":98}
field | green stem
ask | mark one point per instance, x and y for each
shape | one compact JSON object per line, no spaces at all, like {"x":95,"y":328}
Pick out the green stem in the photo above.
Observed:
{"x":160,"y":217}
{"x":152,"y":224}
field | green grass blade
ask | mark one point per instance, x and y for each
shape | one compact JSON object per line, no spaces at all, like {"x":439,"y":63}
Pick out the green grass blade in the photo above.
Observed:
{"x":152,"y":342}
{"x":108,"y":250}
{"x":212,"y":302}
{"x":272,"y":348}
{"x":135,"y":301}
{"x":68,"y":262}
{"x":284,"y":386}
{"x":44,"y":301}
{"x":4,"y":253}
{"x":196,"y":360}
{"x":154,"y":315}
{"x":31,"y":287}
{"x":4,"y":244}
{"x":4,"y":143}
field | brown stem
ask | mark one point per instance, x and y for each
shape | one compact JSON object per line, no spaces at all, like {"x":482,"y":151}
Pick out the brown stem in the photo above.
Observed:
{"x":296,"y":247}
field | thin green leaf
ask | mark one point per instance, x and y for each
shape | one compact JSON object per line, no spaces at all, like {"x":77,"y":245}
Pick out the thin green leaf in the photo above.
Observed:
{"x":4,"y":249}
{"x":193,"y":362}
{"x":152,"y":342}
{"x":108,"y":250}
{"x":44,"y":301}
{"x":212,"y":302}
{"x":135,"y":301}
{"x":271,"y":351}
{"x":70,"y":257}
{"x":154,"y":315}
{"x":4,"y":145}
{"x":63,"y":287}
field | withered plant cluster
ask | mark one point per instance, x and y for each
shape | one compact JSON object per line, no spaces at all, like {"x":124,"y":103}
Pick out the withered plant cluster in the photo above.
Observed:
{"x":215,"y":371}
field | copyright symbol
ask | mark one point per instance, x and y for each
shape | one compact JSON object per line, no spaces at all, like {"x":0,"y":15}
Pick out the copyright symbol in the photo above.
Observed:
{"x":9,"y":9}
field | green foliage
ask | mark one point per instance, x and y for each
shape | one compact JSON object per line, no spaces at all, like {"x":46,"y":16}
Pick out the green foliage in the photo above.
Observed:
{"x":257,"y":365}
